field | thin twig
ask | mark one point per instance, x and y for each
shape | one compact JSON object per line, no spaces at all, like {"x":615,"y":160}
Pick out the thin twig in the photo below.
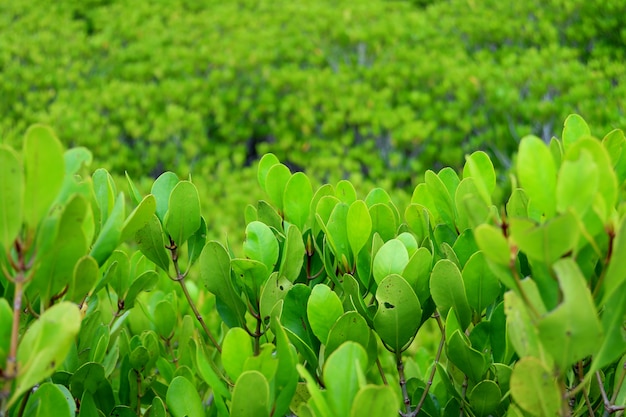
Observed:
{"x":402,"y":380}
{"x":180,"y":278}
{"x":429,"y":383}
{"x":381,"y":371}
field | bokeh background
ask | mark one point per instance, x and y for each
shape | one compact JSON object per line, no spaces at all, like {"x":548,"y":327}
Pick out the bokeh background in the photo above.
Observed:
{"x":373,"y":91}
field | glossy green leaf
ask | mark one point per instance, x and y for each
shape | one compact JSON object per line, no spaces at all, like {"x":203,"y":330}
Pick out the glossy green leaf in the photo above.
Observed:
{"x":345,"y":192}
{"x":481,"y":284}
{"x":577,"y":184}
{"x":448,"y":290}
{"x":275,"y":182}
{"x":261,"y":244}
{"x":44,"y":167}
{"x":250,"y":396}
{"x":161,"y":189}
{"x":337,"y":232}
{"x":323,"y":309}
{"x":470,"y":361}
{"x":91,"y":378}
{"x":392,"y":258}
{"x":215,"y":272}
{"x":150,"y":241}
{"x":157,"y":409}
{"x":286,"y":381}
{"x":297,"y":200}
{"x":537,"y":174}
{"x":293,"y":255}
{"x":417,"y":273}
{"x":441,"y":197}
{"x":273,"y":291}
{"x":139,"y":217}
{"x":183,"y":400}
{"x":146,"y":281}
{"x":265,"y":163}
{"x":11,"y":197}
{"x":359,"y":225}
{"x":350,"y":326}
{"x":470,"y":207}
{"x":399,"y":312}
{"x":547,"y":242}
{"x":296,"y":323}
{"x":45,"y":344}
{"x":383,"y":221}
{"x":253,"y":275}
{"x":182,"y":218}
{"x":196,"y":242}
{"x":494,"y":245}
{"x":49,"y":401}
{"x":417,"y":218}
{"x":84,"y":278}
{"x":478,"y":166}
{"x":574,"y":128}
{"x":373,"y":400}
{"x":133,"y":191}
{"x":111,"y":232}
{"x":485,"y":398}
{"x":572,"y":331}
{"x":236,"y":348}
{"x":534,"y":388}
{"x":409,"y":242}
{"x":341,"y":372}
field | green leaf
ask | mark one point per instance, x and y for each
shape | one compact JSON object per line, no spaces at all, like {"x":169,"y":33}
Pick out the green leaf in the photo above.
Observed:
{"x":49,"y":401}
{"x":275,"y":184}
{"x":109,"y":237}
{"x":337,"y":233}
{"x":537,"y":174}
{"x":250,"y":396}
{"x":261,"y":244}
{"x":521,"y":329}
{"x":481,"y":284}
{"x":359,"y":225}
{"x":253,"y":275}
{"x":196,"y":242}
{"x":441,"y":197}
{"x":236,"y":349}
{"x":183,"y":400}
{"x":471,"y":209}
{"x":492,"y":242}
{"x":485,"y":398}
{"x":417,"y":218}
{"x":11,"y":197}
{"x":45,"y":345}
{"x":6,"y":322}
{"x":133,"y":191}
{"x":517,"y":206}
{"x":44,"y":167}
{"x":470,"y":361}
{"x":215,"y":272}
{"x":373,"y":400}
{"x":341,"y":376}
{"x":267,"y":161}
{"x":547,"y":242}
{"x":297,"y":200}
{"x":448,"y":290}
{"x":318,"y":401}
{"x":572,"y":331}
{"x":286,"y":381}
{"x":323,"y":309}
{"x":139,"y":217}
{"x":161,"y":189}
{"x":577,"y":184}
{"x":391,"y":258}
{"x":345,"y":192}
{"x":182,"y":218}
{"x":383,"y":221}
{"x":574,"y":128}
{"x":399,"y":312}
{"x":417,"y":273}
{"x":534,"y":388}
{"x":165,"y":319}
{"x":478,"y":166}
{"x":150,"y":242}
{"x":75,"y":158}
{"x":293,"y":255}
{"x":104,"y":190}
{"x":296,"y":323}
{"x":350,"y":326}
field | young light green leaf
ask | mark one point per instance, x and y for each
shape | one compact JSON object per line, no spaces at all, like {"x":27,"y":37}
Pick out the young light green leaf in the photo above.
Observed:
{"x":251,"y":396}
{"x":616,"y":271}
{"x":383,"y":221}
{"x":547,"y":242}
{"x":49,"y":401}
{"x":323,"y":309}
{"x":11,"y":197}
{"x":341,"y":372}
{"x":359,"y":224}
{"x":139,"y":217}
{"x":350,"y":326}
{"x":267,"y":161}
{"x":182,"y":399}
{"x":577,"y":184}
{"x":345,"y":192}
{"x":534,"y":388}
{"x":574,"y":128}
{"x":478,"y":166}
{"x":261,"y":244}
{"x":44,"y":167}
{"x":536,"y":171}
{"x":45,"y":345}
{"x":133,"y":191}
{"x":275,"y":183}
{"x":293,"y":255}
{"x":392,"y":258}
{"x":111,"y":232}
{"x":297,"y":200}
{"x":375,"y":400}
{"x":236,"y":349}
{"x":613,"y":319}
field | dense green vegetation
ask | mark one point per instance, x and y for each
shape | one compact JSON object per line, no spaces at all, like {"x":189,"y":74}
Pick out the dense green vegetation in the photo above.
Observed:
{"x":371,"y":90}
{"x":324,"y":313}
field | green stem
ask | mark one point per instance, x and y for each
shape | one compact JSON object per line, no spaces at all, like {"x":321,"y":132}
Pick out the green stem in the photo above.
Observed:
{"x":429,"y":383}
{"x":402,"y":380}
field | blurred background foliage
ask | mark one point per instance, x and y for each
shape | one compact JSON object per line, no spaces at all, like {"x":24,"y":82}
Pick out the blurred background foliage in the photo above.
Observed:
{"x":374,"y":91}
